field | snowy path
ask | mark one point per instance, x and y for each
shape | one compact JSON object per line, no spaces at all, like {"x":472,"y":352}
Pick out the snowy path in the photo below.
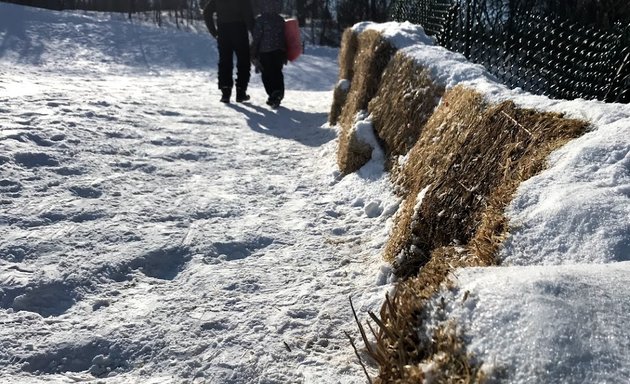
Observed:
{"x":165,"y":225}
{"x":151,"y":234}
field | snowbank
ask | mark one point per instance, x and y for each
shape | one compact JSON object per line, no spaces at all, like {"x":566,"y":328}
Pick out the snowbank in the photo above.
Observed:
{"x":528,"y":321}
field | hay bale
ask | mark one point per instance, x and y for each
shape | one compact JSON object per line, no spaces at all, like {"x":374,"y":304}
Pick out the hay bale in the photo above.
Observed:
{"x":347,"y":53}
{"x":466,"y":165}
{"x":403,"y":104}
{"x":400,"y":341}
{"x":352,"y":153}
{"x":472,"y":156}
{"x":340,"y":95}
{"x":373,"y":54}
{"x":466,"y":158}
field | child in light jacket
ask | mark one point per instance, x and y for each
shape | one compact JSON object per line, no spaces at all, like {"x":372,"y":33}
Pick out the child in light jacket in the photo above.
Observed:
{"x":268,"y":49}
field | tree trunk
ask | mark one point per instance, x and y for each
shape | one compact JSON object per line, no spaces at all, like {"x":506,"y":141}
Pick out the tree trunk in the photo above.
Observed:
{"x":301,"y":12}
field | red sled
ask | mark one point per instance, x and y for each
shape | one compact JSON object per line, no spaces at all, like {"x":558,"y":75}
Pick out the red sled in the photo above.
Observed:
{"x":293,"y":40}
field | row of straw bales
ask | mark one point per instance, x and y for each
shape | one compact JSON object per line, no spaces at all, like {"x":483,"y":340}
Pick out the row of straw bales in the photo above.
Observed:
{"x":464,"y":158}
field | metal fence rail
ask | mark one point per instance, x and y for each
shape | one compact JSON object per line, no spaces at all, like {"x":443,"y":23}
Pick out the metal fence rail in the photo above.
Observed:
{"x":544,"y":55}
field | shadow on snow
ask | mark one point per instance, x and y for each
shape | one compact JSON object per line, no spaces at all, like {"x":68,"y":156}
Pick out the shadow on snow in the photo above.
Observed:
{"x":303,"y":127}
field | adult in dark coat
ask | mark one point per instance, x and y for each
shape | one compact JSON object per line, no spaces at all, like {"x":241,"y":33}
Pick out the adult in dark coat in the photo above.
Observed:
{"x":269,"y":49}
{"x":234,"y":21}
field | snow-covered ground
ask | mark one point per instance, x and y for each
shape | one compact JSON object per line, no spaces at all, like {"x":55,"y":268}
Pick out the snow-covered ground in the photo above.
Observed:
{"x":150,"y":234}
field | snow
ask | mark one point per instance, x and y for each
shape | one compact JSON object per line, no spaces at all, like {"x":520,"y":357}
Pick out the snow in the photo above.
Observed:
{"x":546,"y":324}
{"x":400,"y":35}
{"x":364,"y":131}
{"x":592,"y":174}
{"x":151,"y":234}
{"x":451,"y":68}
{"x":556,"y":310}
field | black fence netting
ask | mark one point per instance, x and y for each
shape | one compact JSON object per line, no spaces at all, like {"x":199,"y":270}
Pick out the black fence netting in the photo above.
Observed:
{"x":540,"y":53}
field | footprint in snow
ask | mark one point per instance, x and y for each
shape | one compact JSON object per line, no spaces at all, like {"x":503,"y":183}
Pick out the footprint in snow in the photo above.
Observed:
{"x":164,"y":264}
{"x":239,"y":250}
{"x":68,"y":171}
{"x":168,"y":113}
{"x":97,"y":356}
{"x":35,"y":159}
{"x":39,"y":140}
{"x":47,"y":299}
{"x":86,"y":192}
{"x":10,"y":186}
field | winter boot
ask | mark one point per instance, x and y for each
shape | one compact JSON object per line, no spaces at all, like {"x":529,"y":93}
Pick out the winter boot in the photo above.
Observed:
{"x":225,"y":94}
{"x":275,"y":99}
{"x":241,"y":95}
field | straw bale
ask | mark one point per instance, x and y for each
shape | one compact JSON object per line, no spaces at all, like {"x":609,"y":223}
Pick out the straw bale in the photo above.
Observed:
{"x":347,"y":53}
{"x":340,"y":95}
{"x":472,"y":156}
{"x":352,"y":153}
{"x":373,"y":54}
{"x":402,"y":347}
{"x":465,"y":158}
{"x":403,"y":104}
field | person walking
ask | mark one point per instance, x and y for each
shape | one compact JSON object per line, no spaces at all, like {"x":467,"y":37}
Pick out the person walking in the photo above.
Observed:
{"x":268,"y":49}
{"x":234,"y":21}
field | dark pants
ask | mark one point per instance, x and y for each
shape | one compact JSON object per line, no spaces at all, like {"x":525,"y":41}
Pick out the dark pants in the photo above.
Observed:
{"x":233,"y":39}
{"x":271,"y":67}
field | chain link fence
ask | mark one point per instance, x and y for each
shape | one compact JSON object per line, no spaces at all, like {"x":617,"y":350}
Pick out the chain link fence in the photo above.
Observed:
{"x":542,"y":54}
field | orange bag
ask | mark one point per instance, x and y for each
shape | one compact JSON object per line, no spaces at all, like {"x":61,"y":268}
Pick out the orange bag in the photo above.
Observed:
{"x":293,"y":40}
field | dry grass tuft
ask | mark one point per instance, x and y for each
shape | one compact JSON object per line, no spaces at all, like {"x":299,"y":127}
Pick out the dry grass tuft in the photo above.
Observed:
{"x":401,"y":348}
{"x":403,"y":104}
{"x":372,"y":56}
{"x":452,"y":364}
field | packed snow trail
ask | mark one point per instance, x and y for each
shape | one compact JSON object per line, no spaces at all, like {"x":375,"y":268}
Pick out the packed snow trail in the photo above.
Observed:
{"x":152,"y":234}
